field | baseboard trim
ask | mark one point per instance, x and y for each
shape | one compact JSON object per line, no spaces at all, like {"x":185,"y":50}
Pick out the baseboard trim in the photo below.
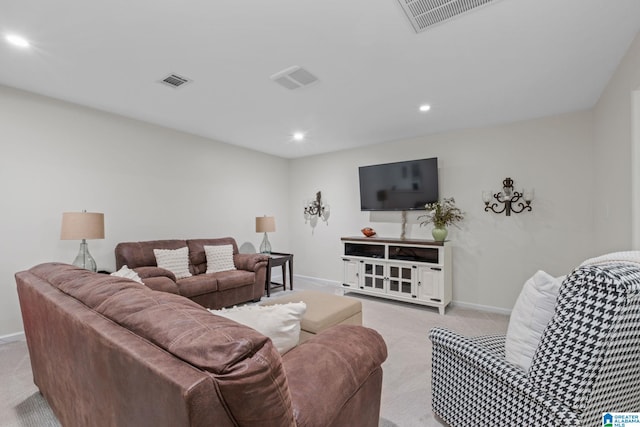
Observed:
{"x":324,"y":282}
{"x":479,"y":307}
{"x":18,"y":336}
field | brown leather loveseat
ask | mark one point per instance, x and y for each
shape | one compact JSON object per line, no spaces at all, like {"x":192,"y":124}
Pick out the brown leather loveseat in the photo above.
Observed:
{"x":215,"y":290}
{"x":108,"y":351}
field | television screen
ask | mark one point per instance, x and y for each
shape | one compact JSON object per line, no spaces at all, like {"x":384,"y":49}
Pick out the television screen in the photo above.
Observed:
{"x":399,"y":186}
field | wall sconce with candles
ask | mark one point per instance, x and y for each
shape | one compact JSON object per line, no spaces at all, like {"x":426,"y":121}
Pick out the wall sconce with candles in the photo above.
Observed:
{"x":314,"y":209}
{"x":509,"y":198}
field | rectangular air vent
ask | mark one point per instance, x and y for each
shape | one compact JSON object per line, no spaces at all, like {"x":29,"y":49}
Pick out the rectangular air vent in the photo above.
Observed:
{"x":426,"y":13}
{"x":294,"y":77}
{"x":175,"y":81}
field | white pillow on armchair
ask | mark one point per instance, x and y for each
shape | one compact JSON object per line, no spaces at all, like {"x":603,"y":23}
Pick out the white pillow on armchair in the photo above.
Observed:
{"x":532,"y":312}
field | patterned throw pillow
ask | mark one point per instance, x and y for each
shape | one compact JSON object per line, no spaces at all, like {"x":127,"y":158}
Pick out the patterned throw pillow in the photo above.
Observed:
{"x":219,"y":258}
{"x":280,"y":322}
{"x":174,"y":260}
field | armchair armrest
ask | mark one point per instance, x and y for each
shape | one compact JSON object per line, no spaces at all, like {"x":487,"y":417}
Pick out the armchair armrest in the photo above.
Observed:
{"x":158,"y":279}
{"x":341,"y":368}
{"x":491,"y":390}
{"x":250,"y":262}
{"x":475,"y":354}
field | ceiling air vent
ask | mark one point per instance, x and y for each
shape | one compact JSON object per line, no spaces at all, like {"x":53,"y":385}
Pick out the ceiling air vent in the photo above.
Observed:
{"x":175,"y":81}
{"x":426,"y":13}
{"x":294,"y":77}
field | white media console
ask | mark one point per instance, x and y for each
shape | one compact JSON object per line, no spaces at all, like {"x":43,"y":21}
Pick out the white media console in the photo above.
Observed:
{"x":410,"y":270}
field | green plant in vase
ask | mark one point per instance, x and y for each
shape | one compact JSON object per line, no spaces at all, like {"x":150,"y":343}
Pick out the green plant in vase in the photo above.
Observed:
{"x":441,"y":214}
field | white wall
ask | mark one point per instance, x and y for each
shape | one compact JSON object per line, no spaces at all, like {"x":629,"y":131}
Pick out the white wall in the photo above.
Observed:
{"x":154,"y":183}
{"x":150,"y":182}
{"x":493,"y":254}
{"x":613,"y":160}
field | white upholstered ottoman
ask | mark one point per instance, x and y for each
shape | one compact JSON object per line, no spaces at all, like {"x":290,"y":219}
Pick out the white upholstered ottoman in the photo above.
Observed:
{"x":323,"y":311}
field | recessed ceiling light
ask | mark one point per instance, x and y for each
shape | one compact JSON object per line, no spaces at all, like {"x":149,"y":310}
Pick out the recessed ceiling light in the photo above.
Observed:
{"x":17,"y":40}
{"x":298,"y":136}
{"x":425,"y":107}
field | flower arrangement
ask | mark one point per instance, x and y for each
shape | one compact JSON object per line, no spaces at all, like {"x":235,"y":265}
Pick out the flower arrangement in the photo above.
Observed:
{"x":442,"y":213}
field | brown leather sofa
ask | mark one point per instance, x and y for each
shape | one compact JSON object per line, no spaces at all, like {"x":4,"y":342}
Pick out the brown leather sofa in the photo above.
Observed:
{"x":107,"y":351}
{"x":217,"y":290}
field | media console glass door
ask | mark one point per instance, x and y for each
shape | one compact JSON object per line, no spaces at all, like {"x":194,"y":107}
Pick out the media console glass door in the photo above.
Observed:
{"x":374,"y":276}
{"x":401,"y":279}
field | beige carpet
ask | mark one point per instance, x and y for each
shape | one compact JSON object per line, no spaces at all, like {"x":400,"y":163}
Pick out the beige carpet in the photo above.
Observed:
{"x":406,"y":388}
{"x":406,"y":393}
{"x":20,"y":403}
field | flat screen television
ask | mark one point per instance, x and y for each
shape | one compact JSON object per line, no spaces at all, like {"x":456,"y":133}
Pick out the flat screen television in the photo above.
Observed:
{"x":399,"y":186}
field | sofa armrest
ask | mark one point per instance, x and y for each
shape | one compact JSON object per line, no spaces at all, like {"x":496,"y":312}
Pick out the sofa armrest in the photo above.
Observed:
{"x":250,"y":262}
{"x":466,"y":374}
{"x":158,"y":279}
{"x":339,"y":366}
{"x":146,"y":272}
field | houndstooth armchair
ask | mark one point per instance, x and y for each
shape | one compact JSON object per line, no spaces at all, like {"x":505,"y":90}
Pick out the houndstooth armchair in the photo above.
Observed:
{"x":587,"y":362}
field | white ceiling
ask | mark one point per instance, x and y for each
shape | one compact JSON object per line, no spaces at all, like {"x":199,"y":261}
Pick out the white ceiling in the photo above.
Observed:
{"x":510,"y":60}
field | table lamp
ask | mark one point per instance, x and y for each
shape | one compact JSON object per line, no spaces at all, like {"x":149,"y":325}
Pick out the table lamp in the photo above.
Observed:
{"x":265,"y":224}
{"x":82,"y":226}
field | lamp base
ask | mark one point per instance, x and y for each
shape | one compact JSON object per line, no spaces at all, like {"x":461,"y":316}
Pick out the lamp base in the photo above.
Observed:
{"x":84,"y":258}
{"x":265,"y":246}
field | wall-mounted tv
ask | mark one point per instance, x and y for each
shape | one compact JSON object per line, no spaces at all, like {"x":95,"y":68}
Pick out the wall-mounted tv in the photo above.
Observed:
{"x":399,"y":186}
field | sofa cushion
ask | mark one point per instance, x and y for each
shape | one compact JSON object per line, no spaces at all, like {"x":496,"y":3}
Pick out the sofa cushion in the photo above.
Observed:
{"x":280,"y":322}
{"x":234,"y":279}
{"x":219,"y":258}
{"x":197,"y":285}
{"x":140,"y":254}
{"x":174,"y":260}
{"x":74,"y":281}
{"x":245,"y":364}
{"x":182,"y":327}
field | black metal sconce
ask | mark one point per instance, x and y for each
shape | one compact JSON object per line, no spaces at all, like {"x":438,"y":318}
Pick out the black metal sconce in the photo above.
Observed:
{"x":314,"y":209}
{"x":509,"y":198}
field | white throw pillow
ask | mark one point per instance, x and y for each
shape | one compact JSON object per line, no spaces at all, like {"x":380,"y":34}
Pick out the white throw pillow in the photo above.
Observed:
{"x":174,"y":260}
{"x":219,"y":258}
{"x":280,"y":322}
{"x":531,"y":314}
{"x":127,"y":273}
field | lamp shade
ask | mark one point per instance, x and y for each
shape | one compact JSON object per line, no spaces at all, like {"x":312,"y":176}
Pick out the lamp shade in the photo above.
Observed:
{"x":82,"y":225}
{"x":265,"y":224}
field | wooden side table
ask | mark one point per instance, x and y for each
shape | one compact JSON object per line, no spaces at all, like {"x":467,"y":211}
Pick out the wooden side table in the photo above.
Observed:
{"x":279,"y":259}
